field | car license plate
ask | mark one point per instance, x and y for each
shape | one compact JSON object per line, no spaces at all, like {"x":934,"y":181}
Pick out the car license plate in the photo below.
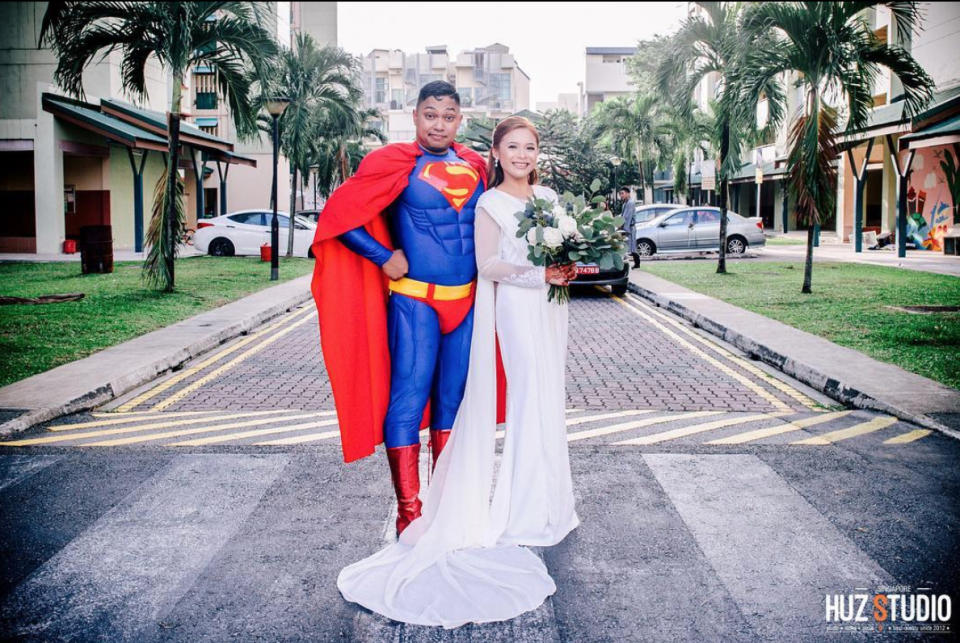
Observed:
{"x":588,"y":270}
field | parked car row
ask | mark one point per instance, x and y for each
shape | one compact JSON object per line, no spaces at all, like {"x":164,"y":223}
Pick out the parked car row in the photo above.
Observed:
{"x":243,"y":232}
{"x":685,"y":229}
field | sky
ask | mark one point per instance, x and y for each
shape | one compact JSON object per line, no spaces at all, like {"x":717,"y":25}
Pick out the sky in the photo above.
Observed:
{"x":547,"y":39}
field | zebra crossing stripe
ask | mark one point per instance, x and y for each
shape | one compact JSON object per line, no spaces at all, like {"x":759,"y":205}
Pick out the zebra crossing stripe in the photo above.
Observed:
{"x":696,"y":428}
{"x":909,"y":436}
{"x":187,"y":372}
{"x":796,"y":425}
{"x":742,"y":363}
{"x":217,"y":372}
{"x":216,"y":439}
{"x":637,"y":424}
{"x":204,"y":429}
{"x":65,"y":437}
{"x":124,"y":420}
{"x":301,"y":439}
{"x":875,"y":424}
{"x":606,"y":416}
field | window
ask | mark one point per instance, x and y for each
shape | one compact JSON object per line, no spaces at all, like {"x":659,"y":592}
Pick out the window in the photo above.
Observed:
{"x":248,"y":218}
{"x":206,"y":100}
{"x":466,"y":96}
{"x":500,"y":86}
{"x":707,"y":216}
{"x":680,"y":219}
{"x":396,"y":99}
{"x":380,"y":91}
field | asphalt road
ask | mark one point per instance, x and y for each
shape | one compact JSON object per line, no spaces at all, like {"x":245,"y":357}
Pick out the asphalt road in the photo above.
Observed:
{"x":717,"y":500}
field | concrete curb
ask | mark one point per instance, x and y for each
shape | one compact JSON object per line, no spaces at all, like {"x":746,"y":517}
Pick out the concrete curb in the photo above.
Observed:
{"x":119,"y":369}
{"x":792,"y":366}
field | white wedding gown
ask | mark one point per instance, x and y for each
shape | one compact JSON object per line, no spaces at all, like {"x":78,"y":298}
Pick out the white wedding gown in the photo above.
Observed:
{"x":464,"y":559}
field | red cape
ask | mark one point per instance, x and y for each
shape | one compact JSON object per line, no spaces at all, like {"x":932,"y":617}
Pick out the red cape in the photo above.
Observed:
{"x":351,"y":295}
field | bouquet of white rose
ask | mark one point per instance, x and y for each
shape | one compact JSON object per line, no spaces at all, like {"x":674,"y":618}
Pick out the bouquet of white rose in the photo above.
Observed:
{"x":571,"y":231}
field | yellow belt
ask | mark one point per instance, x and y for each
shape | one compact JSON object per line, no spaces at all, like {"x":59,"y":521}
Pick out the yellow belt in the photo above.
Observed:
{"x":422,"y":289}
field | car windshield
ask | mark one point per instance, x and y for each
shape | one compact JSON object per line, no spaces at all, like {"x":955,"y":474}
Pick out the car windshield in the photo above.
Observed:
{"x":310,"y":223}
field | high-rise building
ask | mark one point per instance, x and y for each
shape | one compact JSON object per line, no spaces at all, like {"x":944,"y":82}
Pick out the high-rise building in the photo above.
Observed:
{"x":605,"y":75}
{"x":489,"y":81}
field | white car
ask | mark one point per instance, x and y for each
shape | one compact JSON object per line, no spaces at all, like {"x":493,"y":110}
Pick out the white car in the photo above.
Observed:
{"x":243,"y":232}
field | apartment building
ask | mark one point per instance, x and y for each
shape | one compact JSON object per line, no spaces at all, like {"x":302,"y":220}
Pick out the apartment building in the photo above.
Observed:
{"x":873,"y":159}
{"x":66,"y":164}
{"x":568,"y":101}
{"x":489,"y":80}
{"x":605,"y":75}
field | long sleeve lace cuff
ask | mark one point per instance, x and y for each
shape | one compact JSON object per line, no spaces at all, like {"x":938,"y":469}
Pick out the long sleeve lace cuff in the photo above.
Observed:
{"x":489,"y":264}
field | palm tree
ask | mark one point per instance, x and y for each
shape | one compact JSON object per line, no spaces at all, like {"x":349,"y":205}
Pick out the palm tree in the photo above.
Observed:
{"x":711,"y":43}
{"x":339,"y":143}
{"x":225,"y":36}
{"x":313,"y":79}
{"x":837,"y":56}
{"x":634,"y":127}
{"x":690,"y":132}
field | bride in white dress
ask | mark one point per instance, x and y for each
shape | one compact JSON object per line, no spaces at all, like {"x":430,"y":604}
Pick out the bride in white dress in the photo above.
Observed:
{"x":464,"y":560}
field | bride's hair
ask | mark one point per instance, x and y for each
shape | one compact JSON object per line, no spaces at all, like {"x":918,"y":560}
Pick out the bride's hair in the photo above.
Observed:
{"x":507,"y":125}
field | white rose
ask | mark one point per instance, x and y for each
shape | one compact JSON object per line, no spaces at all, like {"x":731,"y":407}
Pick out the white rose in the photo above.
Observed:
{"x":559,"y":211}
{"x":567,"y":226}
{"x":552,"y":238}
{"x":532,"y":236}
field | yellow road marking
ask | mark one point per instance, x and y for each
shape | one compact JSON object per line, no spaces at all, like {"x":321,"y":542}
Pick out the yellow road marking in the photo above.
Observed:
{"x":204,"y":429}
{"x":636,"y":424}
{"x":224,"y":368}
{"x":187,"y":372}
{"x":250,"y":434}
{"x":133,"y":414}
{"x":606,"y":416}
{"x":63,"y":437}
{"x":696,"y":428}
{"x":742,"y":363}
{"x":124,"y":420}
{"x":875,"y":424}
{"x":909,"y":436}
{"x":796,"y":425}
{"x":301,"y":439}
{"x":756,"y":388}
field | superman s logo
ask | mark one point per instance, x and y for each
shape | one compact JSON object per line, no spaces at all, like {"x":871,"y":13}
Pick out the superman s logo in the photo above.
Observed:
{"x":455,"y":181}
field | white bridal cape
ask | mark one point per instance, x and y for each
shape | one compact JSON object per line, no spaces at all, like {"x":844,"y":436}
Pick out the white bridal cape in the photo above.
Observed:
{"x":463,"y":560}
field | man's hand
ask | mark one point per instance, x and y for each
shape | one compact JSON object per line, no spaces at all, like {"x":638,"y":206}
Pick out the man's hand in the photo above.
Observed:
{"x":396,"y":266}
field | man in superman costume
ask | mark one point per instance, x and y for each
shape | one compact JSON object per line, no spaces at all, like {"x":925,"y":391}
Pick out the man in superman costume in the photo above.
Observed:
{"x":396,"y":269}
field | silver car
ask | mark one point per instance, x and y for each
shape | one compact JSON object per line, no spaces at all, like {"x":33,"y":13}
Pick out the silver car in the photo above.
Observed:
{"x":697,"y":229}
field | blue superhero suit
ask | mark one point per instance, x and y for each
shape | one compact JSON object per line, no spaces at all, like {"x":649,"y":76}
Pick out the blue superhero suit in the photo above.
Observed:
{"x":430,"y":311}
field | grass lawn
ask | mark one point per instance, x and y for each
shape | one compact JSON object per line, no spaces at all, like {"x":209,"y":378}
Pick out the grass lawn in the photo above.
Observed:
{"x":117,"y":306}
{"x":849,"y":306}
{"x":785,"y":241}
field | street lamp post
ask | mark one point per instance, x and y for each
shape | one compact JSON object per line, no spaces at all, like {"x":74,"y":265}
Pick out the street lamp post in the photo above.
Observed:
{"x":275,"y":106}
{"x":615,"y":161}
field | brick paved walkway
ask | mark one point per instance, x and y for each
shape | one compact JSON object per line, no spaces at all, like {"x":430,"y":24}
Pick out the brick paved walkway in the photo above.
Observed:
{"x":617,"y":360}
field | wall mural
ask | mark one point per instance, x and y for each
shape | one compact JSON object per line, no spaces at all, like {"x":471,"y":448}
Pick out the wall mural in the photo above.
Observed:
{"x":933,"y":197}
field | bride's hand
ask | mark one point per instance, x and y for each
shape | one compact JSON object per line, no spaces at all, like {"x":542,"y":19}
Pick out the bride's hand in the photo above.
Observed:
{"x":560,"y":275}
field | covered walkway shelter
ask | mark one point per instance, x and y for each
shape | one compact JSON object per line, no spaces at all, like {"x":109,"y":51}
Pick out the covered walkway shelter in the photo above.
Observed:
{"x":100,"y":156}
{"x":885,"y":182}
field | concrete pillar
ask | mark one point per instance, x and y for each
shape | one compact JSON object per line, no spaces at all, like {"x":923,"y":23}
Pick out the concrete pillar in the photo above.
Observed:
{"x":48,"y":180}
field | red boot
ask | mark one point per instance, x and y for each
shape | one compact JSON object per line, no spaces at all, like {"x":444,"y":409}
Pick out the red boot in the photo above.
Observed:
{"x":439,"y":440}
{"x":405,"y":472}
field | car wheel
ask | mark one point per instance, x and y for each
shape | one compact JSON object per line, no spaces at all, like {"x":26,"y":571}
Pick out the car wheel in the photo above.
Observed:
{"x":221,"y":248}
{"x":736,"y":245}
{"x":645,"y":247}
{"x":619,"y":290}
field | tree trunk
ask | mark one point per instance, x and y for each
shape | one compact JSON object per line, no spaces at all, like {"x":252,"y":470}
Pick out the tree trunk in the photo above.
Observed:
{"x":808,"y":263}
{"x":169,"y":237}
{"x":293,"y":209}
{"x":724,"y":150}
